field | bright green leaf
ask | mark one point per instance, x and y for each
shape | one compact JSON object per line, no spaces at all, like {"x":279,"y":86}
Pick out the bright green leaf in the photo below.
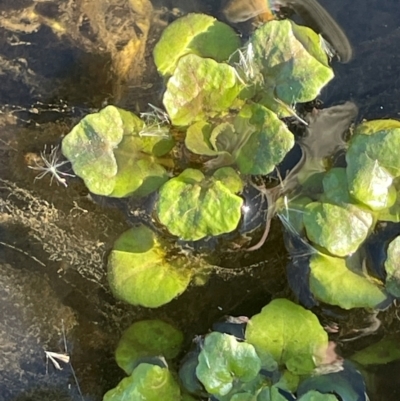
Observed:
{"x":193,"y":206}
{"x":199,"y":88}
{"x":198,"y":34}
{"x":339,"y":229}
{"x":332,"y":282}
{"x":224,"y":360}
{"x":108,"y":153}
{"x":141,"y":272}
{"x":392,"y":267}
{"x":335,"y":186}
{"x":147,"y":338}
{"x":292,"y":334}
{"x":147,"y":383}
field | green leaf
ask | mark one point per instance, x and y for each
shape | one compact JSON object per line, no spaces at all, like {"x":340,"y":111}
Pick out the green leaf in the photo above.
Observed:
{"x":147,"y":338}
{"x":392,"y":267}
{"x":271,"y":394}
{"x":317,"y":396}
{"x":339,"y":229}
{"x":141,"y":271}
{"x":292,"y":61}
{"x":224,"y":360}
{"x":369,"y":182}
{"x":198,"y":34}
{"x":335,"y":186}
{"x":193,"y":206}
{"x":108,"y":153}
{"x":200,"y":88}
{"x":266,"y":140}
{"x":384,"y":351}
{"x":332,"y":282}
{"x":290,"y":333}
{"x":147,"y":382}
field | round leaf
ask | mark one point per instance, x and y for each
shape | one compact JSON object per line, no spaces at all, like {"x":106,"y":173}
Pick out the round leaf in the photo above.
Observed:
{"x":292,"y":61}
{"x":290,"y":333}
{"x":147,"y":338}
{"x":140,"y":273}
{"x":392,"y":267}
{"x":224,"y":360}
{"x":198,"y":34}
{"x":193,"y":206}
{"x":108,"y":153}
{"x":267,"y":140}
{"x":147,"y":382}
{"x":339,"y":229}
{"x":332,"y":282}
{"x":199,"y":88}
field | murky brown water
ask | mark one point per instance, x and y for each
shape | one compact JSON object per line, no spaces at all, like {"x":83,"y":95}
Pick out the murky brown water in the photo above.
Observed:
{"x":57,"y":63}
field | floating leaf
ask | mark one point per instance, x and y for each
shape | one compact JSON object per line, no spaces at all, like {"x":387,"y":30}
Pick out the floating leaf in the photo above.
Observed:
{"x":147,"y":338}
{"x":147,"y":382}
{"x":224,"y":360}
{"x":141,"y":272}
{"x":373,"y":162}
{"x":193,"y":206}
{"x":348,"y":384}
{"x":257,"y":140}
{"x":267,"y":142}
{"x":198,"y":34}
{"x":384,"y":351}
{"x":339,"y":229}
{"x":317,"y":396}
{"x":290,"y":333}
{"x":108,"y":153}
{"x":200,"y":88}
{"x":335,"y":186}
{"x":332,"y":282}
{"x":392,"y":267}
{"x":292,"y":61}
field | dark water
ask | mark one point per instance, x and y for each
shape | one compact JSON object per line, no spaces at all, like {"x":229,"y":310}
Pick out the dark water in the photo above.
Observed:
{"x":53,"y":241}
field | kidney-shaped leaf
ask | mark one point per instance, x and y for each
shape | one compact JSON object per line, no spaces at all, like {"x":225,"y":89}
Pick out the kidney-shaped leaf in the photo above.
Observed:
{"x":339,"y":229}
{"x":292,"y":334}
{"x":200,"y":88}
{"x":108,"y":153}
{"x":140,"y":273}
{"x":292,"y":61}
{"x":193,"y":206}
{"x":147,"y":338}
{"x":194,"y":34}
{"x":332,"y":282}
{"x":224,"y":360}
{"x":147,"y":382}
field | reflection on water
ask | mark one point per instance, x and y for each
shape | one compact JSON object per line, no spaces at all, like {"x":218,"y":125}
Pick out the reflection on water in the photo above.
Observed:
{"x":58,"y":62}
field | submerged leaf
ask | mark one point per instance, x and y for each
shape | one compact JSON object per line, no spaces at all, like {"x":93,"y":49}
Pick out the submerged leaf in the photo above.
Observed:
{"x":198,"y":34}
{"x":292,"y":334}
{"x":140,"y":271}
{"x":147,"y":338}
{"x":332,"y":282}
{"x":200,"y":88}
{"x":339,"y":229}
{"x":224,"y":360}
{"x":108,"y":153}
{"x":147,"y":382}
{"x":193,"y":206}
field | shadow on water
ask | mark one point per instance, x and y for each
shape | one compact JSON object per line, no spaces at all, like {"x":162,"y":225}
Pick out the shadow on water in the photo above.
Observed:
{"x":57,"y":64}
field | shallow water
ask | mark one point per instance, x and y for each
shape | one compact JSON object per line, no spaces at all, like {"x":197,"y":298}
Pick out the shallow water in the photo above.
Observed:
{"x":54,"y":241}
